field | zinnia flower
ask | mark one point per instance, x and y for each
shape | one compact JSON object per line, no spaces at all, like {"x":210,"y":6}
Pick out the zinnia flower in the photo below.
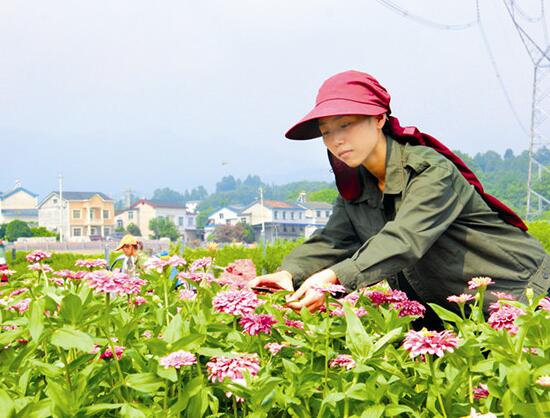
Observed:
{"x":22,"y":306}
{"x":480,"y":392}
{"x":235,"y":302}
{"x":504,"y":318}
{"x":178,"y":359}
{"x":333,"y":289}
{"x":378,"y":297}
{"x":7,"y":272}
{"x":475,"y":414}
{"x":69,"y":274}
{"x":220,"y":368}
{"x":430,"y":342}
{"x":201,"y":263}
{"x":274,"y":348}
{"x":57,"y":280}
{"x":37,"y":256}
{"x":105,"y":281}
{"x":91,"y":263}
{"x":294,"y":324}
{"x":410,"y":308}
{"x":255,"y":324}
{"x":147,"y":334}
{"x":479,"y":282}
{"x":545,"y":304}
{"x":108,"y":353}
{"x":40,"y":267}
{"x":343,"y":360}
{"x":461,"y":299}
{"x":187,"y":294}
{"x":544,"y":381}
{"x":19,"y":291}
{"x":139,"y":300}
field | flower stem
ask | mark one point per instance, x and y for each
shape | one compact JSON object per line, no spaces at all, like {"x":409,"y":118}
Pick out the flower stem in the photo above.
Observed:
{"x":432,"y":370}
{"x":327,"y":341}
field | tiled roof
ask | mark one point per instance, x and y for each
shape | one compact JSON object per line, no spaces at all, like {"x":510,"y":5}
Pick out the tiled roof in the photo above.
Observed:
{"x":159,"y":204}
{"x":18,"y":189}
{"x":81,"y":195}
{"x":316,"y":205}
{"x":19,"y":212}
{"x":276,"y":204}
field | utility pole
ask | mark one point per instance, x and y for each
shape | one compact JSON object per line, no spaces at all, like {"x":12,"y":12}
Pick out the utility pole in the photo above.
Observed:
{"x":60,"y":178}
{"x":262,"y":235}
{"x":540,"y":104}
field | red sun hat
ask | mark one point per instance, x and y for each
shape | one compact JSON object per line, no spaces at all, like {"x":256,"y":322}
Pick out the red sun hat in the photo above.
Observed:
{"x":347,"y":93}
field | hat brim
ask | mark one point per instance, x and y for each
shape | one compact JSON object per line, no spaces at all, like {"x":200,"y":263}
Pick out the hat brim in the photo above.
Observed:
{"x":308,"y":126}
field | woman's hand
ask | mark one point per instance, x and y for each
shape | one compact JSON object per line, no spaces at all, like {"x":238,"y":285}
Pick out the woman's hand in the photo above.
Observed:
{"x":306,"y":296}
{"x":281,"y":280}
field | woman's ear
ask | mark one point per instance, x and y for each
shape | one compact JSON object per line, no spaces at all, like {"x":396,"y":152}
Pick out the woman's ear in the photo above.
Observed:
{"x":381,"y":120}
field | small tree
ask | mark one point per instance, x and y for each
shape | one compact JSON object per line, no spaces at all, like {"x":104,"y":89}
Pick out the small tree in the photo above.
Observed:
{"x":133,"y":229}
{"x":2,"y":231}
{"x":17,"y":229}
{"x":40,"y":231}
{"x":163,"y":227}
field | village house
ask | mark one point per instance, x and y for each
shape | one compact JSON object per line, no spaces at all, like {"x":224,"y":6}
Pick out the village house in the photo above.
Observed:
{"x":78,"y":216}
{"x":143,"y":211}
{"x":18,"y":204}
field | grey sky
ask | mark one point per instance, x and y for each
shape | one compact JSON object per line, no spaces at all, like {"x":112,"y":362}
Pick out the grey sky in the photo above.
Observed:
{"x":142,"y":94}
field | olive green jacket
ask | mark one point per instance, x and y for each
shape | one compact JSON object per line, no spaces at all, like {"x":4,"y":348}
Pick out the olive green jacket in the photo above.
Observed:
{"x":431,"y":225}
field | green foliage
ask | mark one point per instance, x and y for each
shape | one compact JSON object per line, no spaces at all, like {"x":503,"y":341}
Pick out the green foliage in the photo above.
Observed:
{"x":2,"y":231}
{"x":163,"y":228}
{"x":323,"y":195}
{"x":541,"y":231}
{"x":234,"y":233}
{"x":16,"y":229}
{"x":168,"y":195}
{"x":40,"y":231}
{"x":133,"y":229}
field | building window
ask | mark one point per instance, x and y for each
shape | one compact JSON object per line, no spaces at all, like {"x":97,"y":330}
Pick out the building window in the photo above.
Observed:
{"x":106,"y":231}
{"x":284,"y":215}
{"x":327,"y":213}
{"x":292,"y":229}
{"x":119,"y":223}
{"x":77,"y":232}
{"x":275,"y":214}
{"x":180,"y":221}
{"x":190,"y":221}
{"x":76,"y":214}
{"x":221,"y":215}
{"x":284,"y":228}
{"x":228,"y":221}
{"x":318,"y":213}
{"x":91,"y":214}
{"x":54,"y":201}
{"x":105,"y":214}
{"x":130,"y":214}
{"x":243,"y":220}
{"x":300,"y":215}
{"x":291,"y":215}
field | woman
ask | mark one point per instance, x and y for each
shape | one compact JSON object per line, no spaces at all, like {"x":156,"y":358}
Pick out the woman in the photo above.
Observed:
{"x":132,"y":259}
{"x":409,"y":211}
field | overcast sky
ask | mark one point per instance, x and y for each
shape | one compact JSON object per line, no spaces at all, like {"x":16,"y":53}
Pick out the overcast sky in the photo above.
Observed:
{"x":141,"y":94}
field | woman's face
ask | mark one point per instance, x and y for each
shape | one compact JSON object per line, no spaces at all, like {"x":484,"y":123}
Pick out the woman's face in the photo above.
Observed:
{"x":129,"y":250}
{"x":351,"y":138}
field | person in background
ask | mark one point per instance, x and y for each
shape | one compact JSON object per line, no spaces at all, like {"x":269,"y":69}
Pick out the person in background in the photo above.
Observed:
{"x":132,"y":258}
{"x":409,"y":211}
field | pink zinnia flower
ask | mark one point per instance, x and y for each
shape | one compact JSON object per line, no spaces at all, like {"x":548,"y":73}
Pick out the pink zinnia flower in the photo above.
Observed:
{"x":37,"y":256}
{"x":21,"y":306}
{"x":40,"y":267}
{"x":530,"y":350}
{"x":69,"y":274}
{"x":378,"y":297}
{"x":201,"y":263}
{"x":351,"y":298}
{"x":333,"y":289}
{"x":7,"y":272}
{"x":235,"y":302}
{"x":220,"y":368}
{"x":503,"y":295}
{"x":475,"y":414}
{"x":430,"y":342}
{"x":178,"y":359}
{"x":255,"y":324}
{"x":294,"y":324}
{"x":480,"y":392}
{"x":155,"y":263}
{"x":105,"y":281}
{"x":343,"y":360}
{"x":545,"y":304}
{"x":274,"y":348}
{"x":147,"y":334}
{"x":108,"y":353}
{"x":9,"y":327}
{"x":544,"y":381}
{"x":91,"y":263}
{"x":187,"y":294}
{"x":410,"y":308}
{"x":57,"y":280}
{"x":504,"y":318}
{"x":197,"y":276}
{"x":139,"y":300}
{"x":361,"y":311}
{"x":478,"y":282}
{"x":461,"y":299}
{"x":19,"y":291}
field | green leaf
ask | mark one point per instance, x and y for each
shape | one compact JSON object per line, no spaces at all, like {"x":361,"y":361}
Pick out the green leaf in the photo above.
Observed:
{"x":357,"y":391}
{"x":174,"y":330}
{"x":71,"y":309}
{"x":94,"y":409}
{"x":517,"y":377}
{"x":393,"y":334}
{"x":40,"y":409}
{"x":68,"y":338}
{"x":7,"y":409}
{"x":394,"y":410}
{"x":144,"y":382}
{"x":357,"y":339}
{"x":445,"y":314}
{"x":36,"y":324}
{"x":167,"y":373}
{"x":374,"y":411}
{"x":128,"y":411}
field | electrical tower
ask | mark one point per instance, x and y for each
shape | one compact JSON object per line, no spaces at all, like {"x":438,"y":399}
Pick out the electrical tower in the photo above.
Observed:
{"x":539,"y":53}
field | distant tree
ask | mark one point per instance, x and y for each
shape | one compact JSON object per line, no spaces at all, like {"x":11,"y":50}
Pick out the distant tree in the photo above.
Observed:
{"x":133,"y":229}
{"x":168,"y":195}
{"x":543,"y":156}
{"x":40,"y":231}
{"x":120,"y":229}
{"x":323,"y":195}
{"x":232,"y":233}
{"x":226,"y":184}
{"x":508,"y":154}
{"x":163,"y":227}
{"x":252,"y":181}
{"x":17,"y":229}
{"x":2,"y":231}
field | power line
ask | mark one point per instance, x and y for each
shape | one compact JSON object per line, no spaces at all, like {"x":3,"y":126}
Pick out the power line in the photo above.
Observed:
{"x":526,"y":16}
{"x":497,"y":72}
{"x":427,"y":22}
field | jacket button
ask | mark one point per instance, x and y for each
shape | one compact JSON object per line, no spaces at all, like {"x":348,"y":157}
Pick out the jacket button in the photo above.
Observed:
{"x":545,"y":275}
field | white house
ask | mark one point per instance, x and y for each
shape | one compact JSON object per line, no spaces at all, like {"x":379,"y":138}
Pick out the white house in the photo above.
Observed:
{"x":20,"y":204}
{"x":141,"y":213}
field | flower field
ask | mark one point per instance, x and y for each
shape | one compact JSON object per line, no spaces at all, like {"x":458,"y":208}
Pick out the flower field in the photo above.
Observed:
{"x":89,"y":342}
